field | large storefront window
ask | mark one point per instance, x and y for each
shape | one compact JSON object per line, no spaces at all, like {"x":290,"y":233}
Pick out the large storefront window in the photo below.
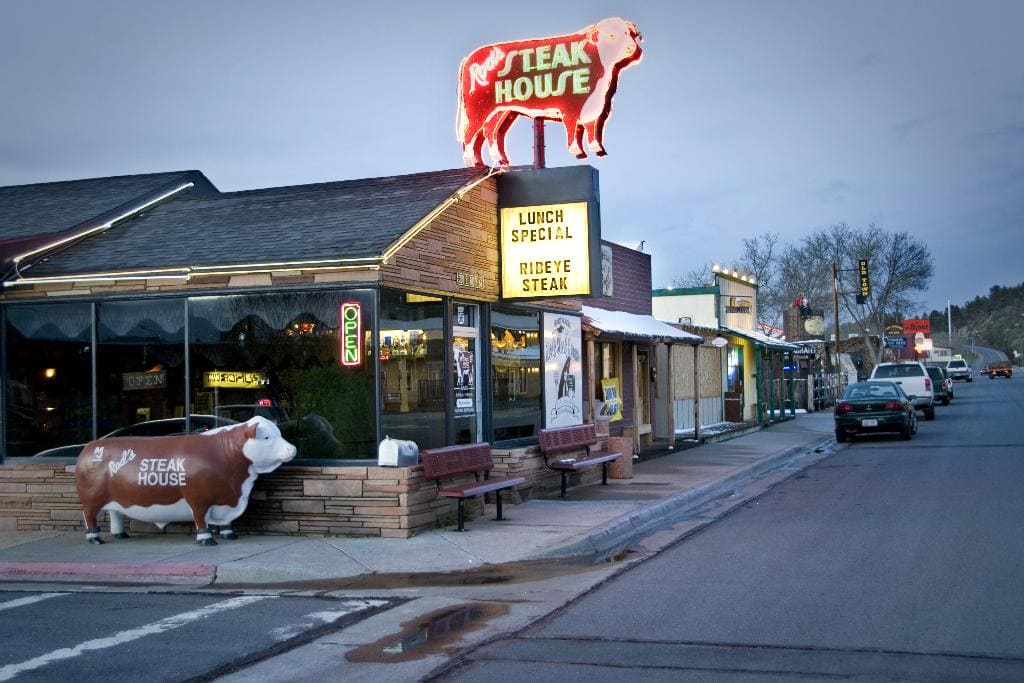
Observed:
{"x":515,"y":373}
{"x":412,"y":368}
{"x":302,"y":359}
{"x":49,"y":378}
{"x":140,"y":363}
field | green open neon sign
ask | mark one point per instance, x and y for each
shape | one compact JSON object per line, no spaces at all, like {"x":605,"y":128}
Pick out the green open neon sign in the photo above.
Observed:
{"x":351,"y":334}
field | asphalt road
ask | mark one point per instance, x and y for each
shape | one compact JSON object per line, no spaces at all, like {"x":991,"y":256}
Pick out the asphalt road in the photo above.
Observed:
{"x":890,"y":560}
{"x":138,"y":636}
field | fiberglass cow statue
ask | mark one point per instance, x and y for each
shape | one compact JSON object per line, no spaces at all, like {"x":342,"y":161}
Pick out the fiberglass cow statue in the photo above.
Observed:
{"x":569,"y":78}
{"x":204,"y":477}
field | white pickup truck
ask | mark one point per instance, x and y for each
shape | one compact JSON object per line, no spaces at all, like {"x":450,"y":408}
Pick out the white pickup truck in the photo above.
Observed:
{"x":913,"y":377}
{"x":957,"y":368}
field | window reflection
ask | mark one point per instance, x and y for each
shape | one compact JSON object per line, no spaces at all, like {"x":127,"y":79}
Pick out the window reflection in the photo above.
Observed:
{"x":140,"y":362}
{"x":279,"y":356}
{"x":49,"y":378}
{"x":412,"y":362}
{"x":515,"y":373}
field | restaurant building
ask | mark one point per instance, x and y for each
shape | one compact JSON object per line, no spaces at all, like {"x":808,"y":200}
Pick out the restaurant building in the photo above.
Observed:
{"x":439,"y":308}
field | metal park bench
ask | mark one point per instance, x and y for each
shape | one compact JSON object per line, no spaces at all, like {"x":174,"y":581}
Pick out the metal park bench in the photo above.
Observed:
{"x":565,"y":440}
{"x":451,"y":462}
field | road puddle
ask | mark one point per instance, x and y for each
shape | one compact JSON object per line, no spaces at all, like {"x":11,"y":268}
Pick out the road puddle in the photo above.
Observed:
{"x":428,"y":634}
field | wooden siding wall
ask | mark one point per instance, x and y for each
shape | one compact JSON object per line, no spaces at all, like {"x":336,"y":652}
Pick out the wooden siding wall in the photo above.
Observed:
{"x":461,"y":241}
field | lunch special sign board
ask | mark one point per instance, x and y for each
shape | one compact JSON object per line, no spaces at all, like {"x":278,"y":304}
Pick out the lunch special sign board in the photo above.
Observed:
{"x":550,"y":233}
{"x":569,"y":78}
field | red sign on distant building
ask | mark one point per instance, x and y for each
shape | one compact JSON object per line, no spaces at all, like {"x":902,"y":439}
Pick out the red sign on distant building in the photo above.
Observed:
{"x":916,"y":325}
{"x":569,"y":78}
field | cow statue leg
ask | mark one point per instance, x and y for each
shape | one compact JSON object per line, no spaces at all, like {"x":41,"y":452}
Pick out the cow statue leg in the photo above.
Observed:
{"x":204,"y":534}
{"x":595,"y":132}
{"x":495,"y":130}
{"x":227,"y":533}
{"x":574,"y":136}
{"x":117,"y":524}
{"x":92,"y":527}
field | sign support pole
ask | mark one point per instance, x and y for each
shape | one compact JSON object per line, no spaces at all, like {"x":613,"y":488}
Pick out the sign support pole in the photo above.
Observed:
{"x":538,"y":143}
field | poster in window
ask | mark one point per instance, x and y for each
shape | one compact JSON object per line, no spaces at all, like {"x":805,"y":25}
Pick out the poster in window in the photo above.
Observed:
{"x":464,"y":376}
{"x":563,"y":370}
{"x":612,"y":404}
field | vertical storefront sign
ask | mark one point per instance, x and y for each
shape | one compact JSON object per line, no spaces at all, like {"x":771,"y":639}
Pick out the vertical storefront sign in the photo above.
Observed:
{"x":563,"y":370}
{"x":351,"y":334}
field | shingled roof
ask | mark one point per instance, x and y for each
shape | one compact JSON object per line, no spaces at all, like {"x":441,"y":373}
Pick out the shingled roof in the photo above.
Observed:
{"x":32,"y":216}
{"x":338,"y":220}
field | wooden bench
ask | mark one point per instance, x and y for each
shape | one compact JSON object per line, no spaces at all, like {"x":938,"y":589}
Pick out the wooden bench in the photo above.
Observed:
{"x":446,"y":463}
{"x":561,"y":440}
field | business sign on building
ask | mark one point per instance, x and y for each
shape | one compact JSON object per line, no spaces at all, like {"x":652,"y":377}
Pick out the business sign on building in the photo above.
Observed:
{"x":545,"y":251}
{"x":569,"y":78}
{"x":915,"y":325}
{"x":226,"y":379}
{"x":133,"y":381}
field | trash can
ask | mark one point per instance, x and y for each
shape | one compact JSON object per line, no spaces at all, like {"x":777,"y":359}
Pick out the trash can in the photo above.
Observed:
{"x":622,"y":467}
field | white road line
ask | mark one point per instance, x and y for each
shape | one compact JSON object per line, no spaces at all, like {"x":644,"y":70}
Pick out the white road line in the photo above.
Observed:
{"x":11,"y":670}
{"x":312,"y":619}
{"x":21,"y":602}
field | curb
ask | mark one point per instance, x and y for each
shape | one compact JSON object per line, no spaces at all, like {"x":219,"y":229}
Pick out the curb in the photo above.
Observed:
{"x":619,"y":532}
{"x":108,"y":572}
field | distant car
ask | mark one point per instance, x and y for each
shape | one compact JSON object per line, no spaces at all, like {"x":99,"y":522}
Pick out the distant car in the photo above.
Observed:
{"x":959,"y":369}
{"x":984,"y":370}
{"x":872,"y":407}
{"x":1000,"y":368}
{"x":165,"y":427}
{"x":942,"y":385}
{"x":913,"y":379}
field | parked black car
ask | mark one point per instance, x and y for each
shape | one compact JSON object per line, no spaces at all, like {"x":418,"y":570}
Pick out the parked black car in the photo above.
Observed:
{"x":942,"y":385}
{"x":872,"y":407}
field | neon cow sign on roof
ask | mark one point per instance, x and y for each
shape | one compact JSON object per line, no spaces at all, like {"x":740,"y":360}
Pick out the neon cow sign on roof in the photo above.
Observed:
{"x":570,"y":78}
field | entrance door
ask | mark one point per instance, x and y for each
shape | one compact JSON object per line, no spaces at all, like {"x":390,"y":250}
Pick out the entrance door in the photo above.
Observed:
{"x":734,"y":385}
{"x":465,"y":404}
{"x":643,"y":370}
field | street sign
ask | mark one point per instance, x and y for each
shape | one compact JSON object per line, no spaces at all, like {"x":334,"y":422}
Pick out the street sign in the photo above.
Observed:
{"x":896,"y":342}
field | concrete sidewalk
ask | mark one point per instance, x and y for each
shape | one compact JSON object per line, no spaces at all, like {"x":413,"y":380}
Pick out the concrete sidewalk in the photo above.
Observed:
{"x":592,"y":523}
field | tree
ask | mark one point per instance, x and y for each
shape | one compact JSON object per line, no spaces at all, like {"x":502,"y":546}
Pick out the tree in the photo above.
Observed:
{"x":698,"y":277}
{"x":899,"y":266}
{"x":760,"y":259}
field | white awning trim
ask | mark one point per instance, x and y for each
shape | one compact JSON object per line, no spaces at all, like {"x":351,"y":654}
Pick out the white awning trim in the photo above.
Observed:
{"x":633,"y":325}
{"x":770,"y":342}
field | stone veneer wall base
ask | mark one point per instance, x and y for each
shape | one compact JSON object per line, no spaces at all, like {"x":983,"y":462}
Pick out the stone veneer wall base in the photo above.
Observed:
{"x":386,"y":502}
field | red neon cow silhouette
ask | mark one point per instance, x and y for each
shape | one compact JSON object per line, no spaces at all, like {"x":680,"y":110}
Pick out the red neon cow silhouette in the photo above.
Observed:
{"x":570,"y":78}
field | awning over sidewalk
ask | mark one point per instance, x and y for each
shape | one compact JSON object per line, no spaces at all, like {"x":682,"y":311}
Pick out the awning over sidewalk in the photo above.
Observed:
{"x":637,"y":327}
{"x":763,"y":339}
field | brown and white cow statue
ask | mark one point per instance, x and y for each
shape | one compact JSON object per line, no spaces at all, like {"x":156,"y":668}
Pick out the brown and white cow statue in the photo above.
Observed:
{"x":569,"y":78}
{"x":206,"y":477}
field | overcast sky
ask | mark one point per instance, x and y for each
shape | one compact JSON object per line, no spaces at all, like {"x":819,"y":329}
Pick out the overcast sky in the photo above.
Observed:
{"x":744,"y":117}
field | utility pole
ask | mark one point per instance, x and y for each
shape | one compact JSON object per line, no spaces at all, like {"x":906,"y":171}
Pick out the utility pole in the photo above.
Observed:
{"x":949,"y":327}
{"x":835,"y":305}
